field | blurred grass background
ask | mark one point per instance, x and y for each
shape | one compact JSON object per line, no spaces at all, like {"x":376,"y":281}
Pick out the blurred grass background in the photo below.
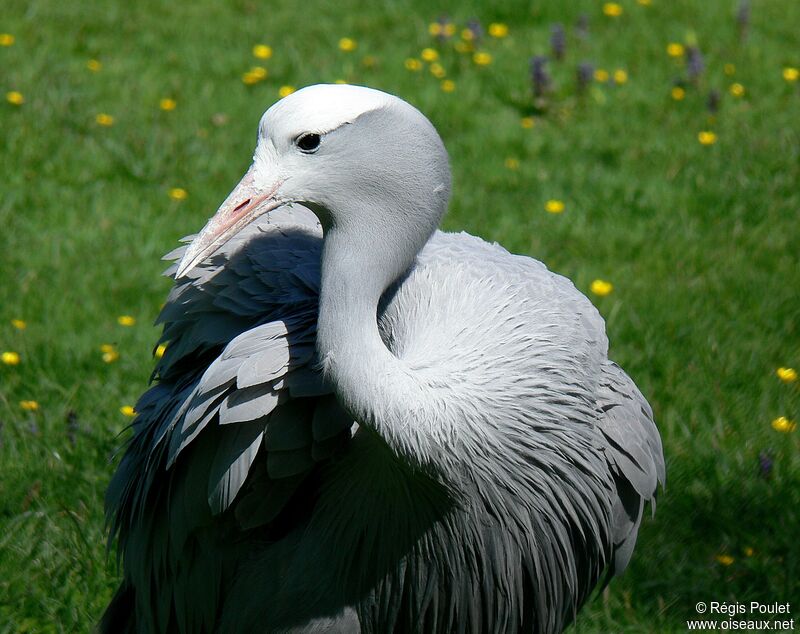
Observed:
{"x":700,"y":241}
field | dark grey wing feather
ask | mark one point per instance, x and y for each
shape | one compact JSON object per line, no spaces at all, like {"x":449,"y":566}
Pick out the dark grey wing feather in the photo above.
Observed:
{"x":235,"y":455}
{"x":634,"y":452}
{"x":262,"y":504}
{"x":330,"y":419}
{"x":305,"y":382}
{"x":229,"y":424}
{"x":283,"y":434}
{"x":247,"y":404}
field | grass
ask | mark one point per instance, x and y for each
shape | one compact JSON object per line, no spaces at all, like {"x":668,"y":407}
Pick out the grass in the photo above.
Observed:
{"x":699,"y":242}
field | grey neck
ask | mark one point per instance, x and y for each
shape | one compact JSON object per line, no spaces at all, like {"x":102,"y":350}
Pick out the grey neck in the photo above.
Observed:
{"x":377,"y":388}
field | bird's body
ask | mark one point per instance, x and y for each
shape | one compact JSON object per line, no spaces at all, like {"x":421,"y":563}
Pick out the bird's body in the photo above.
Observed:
{"x":340,"y":444}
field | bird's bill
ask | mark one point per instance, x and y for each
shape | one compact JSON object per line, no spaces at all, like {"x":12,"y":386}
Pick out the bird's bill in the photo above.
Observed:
{"x":243,"y":205}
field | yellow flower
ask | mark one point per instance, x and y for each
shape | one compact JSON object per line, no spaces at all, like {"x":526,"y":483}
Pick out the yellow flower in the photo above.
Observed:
{"x":467,"y":35}
{"x":434,"y":28}
{"x":448,"y":85}
{"x":254,"y":75}
{"x":178,"y":193}
{"x":527,"y":122}
{"x":463,"y":47}
{"x":498,"y":29}
{"x":127,"y":410}
{"x":620,"y":76}
{"x":784,"y":425}
{"x":791,"y":74}
{"x":601,"y":75}
{"x":429,"y":54}
{"x":437,"y":70}
{"x":94,"y":65}
{"x":706,"y":137}
{"x":601,"y":287}
{"x":787,"y":375}
{"x":167,"y":104}
{"x":511,"y":163}
{"x":106,"y":347}
{"x":675,"y":49}
{"x":339,"y":81}
{"x":19,"y":324}
{"x":6,"y":39}
{"x":109,"y":356}
{"x":285,"y":91}
{"x":347,"y":44}
{"x":482,"y":58}
{"x":644,"y":3}
{"x":553,"y":206}
{"x":413,"y":64}
{"x":160,"y":350}
{"x":29,"y":406}
{"x":369,"y":61}
{"x":10,"y":358}
{"x":126,"y":320}
{"x":737,"y":90}
{"x":729,"y":69}
{"x":104,"y":119}
{"x":725,"y":560}
{"x":677,"y":93}
{"x":262,"y":51}
{"x":748,"y":551}
{"x":612,"y":9}
{"x":15,"y":98}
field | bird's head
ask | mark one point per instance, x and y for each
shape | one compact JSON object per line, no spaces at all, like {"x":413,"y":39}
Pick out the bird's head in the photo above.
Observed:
{"x":366,"y":162}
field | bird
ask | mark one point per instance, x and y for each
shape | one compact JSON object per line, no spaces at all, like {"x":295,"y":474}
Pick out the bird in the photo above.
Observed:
{"x":361,"y":423}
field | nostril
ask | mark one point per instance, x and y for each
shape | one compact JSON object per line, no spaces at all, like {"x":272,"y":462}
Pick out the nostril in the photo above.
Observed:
{"x":241,"y":205}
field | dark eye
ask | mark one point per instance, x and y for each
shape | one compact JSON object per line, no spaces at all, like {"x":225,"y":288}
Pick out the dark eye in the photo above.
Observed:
{"x":308,"y":142}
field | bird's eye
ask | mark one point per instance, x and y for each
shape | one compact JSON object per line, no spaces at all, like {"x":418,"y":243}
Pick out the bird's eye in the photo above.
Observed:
{"x":308,"y":143}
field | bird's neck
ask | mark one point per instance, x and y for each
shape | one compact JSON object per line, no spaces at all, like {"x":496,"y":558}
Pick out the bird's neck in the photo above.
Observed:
{"x":377,"y":388}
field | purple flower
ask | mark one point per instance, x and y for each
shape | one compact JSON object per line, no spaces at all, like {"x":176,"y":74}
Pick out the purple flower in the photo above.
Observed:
{"x":713,"y":101}
{"x":558,"y":41}
{"x":540,"y":79}
{"x":443,"y":21}
{"x":475,"y":27}
{"x":765,"y":465}
{"x":694,"y":63}
{"x":743,"y":18}
{"x":585,"y":75}
{"x":72,"y":427}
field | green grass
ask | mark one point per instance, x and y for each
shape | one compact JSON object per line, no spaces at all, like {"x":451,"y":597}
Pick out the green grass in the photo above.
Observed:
{"x":700,"y":242}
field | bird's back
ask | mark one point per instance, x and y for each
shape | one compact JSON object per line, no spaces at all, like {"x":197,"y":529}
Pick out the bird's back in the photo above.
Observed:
{"x":553,"y":437}
{"x":244,"y":501}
